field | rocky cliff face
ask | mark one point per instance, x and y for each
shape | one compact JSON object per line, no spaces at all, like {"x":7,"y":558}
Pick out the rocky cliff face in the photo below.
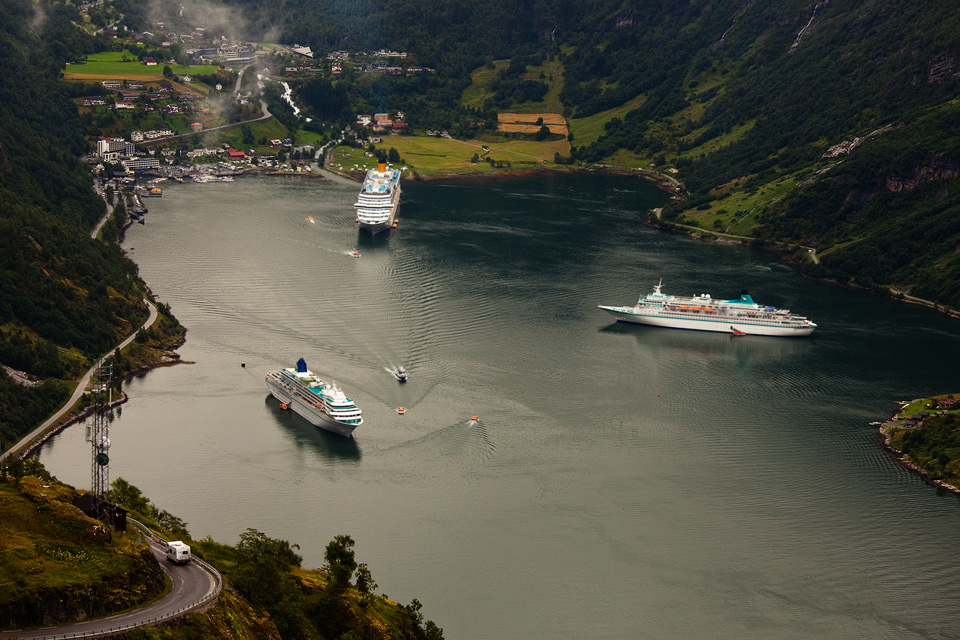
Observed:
{"x":936,"y":169}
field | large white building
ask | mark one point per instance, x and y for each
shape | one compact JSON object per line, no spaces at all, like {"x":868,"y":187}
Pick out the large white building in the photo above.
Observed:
{"x":112,"y":149}
{"x":135,"y":164}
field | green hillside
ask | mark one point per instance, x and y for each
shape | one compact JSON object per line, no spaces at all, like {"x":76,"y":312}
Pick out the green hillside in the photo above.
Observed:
{"x":65,"y":299}
{"x":740,"y":101}
{"x":61,"y":566}
{"x":58,"y":564}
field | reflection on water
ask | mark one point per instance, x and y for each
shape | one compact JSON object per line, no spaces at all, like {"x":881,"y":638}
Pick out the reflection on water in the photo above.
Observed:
{"x":621,"y":482}
{"x":707,"y":345}
{"x":329,"y":446}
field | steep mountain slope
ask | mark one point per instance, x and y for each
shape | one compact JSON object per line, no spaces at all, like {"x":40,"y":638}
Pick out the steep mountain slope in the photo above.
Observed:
{"x":750,"y":103}
{"x":64,"y":298}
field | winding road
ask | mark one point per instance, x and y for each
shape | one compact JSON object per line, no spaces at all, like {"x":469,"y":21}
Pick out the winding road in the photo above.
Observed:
{"x":194,"y":586}
{"x":78,"y":391}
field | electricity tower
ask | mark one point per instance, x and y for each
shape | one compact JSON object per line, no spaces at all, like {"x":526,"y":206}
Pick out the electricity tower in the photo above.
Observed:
{"x":100,"y":442}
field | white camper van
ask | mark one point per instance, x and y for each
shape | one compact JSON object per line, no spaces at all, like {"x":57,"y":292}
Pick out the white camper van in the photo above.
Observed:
{"x":178,"y":552}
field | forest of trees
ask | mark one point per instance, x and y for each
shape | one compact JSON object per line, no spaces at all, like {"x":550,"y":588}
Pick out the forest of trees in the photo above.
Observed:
{"x":64,"y":298}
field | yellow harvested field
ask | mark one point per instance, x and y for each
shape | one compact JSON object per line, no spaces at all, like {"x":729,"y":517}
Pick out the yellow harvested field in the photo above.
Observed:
{"x":548,"y":118}
{"x":532,"y":128}
{"x":526,"y":122}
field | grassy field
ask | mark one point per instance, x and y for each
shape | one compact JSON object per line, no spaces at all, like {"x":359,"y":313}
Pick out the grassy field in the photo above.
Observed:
{"x":431,"y":156}
{"x":588,"y":130}
{"x":738,"y":213}
{"x":112,"y":56}
{"x":552,"y":71}
{"x":270,"y":129}
{"x":479,"y":90}
{"x":113,"y":68}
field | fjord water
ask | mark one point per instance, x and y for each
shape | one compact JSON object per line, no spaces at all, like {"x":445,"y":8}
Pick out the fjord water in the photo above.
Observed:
{"x":622,"y":481}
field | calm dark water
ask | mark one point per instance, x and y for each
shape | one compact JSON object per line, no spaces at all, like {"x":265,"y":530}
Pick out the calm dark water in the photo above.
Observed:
{"x":622,"y":482}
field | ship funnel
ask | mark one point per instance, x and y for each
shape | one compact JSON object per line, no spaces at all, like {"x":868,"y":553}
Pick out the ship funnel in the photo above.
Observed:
{"x":301,"y":366}
{"x":382,"y":167}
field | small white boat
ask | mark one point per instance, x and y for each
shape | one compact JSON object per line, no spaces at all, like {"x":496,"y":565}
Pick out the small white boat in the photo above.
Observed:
{"x":400,"y":374}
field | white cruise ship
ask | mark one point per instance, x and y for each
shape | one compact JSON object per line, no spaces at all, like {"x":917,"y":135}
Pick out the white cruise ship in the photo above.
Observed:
{"x":740,"y":316}
{"x":379,"y":199}
{"x":323,"y":405}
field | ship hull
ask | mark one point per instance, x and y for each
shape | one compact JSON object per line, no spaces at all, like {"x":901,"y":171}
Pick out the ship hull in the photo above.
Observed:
{"x":373,"y":228}
{"x":311,"y":414}
{"x":379,"y":199}
{"x":718,"y":325}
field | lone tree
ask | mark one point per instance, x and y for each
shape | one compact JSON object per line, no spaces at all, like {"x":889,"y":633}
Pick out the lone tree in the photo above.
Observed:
{"x":341,"y":562}
{"x":365,"y":582}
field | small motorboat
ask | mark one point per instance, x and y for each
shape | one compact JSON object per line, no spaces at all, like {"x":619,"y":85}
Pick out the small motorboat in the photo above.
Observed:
{"x":401,"y":410}
{"x":737,"y":332}
{"x":355,"y":254}
{"x":400,"y":374}
{"x":310,"y":218}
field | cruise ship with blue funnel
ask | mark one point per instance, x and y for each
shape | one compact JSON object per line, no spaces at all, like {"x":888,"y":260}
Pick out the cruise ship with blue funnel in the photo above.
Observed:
{"x":323,"y":404}
{"x":740,"y":316}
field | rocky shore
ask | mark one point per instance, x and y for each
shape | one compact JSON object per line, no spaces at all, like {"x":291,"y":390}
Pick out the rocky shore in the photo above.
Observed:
{"x":886,"y":436}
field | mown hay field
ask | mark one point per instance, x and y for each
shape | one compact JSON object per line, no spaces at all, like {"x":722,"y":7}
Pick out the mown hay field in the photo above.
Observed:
{"x":548,"y":118}
{"x":526,"y":122}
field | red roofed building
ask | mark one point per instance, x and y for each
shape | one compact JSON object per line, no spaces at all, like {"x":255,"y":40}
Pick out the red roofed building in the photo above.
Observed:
{"x":233,"y":154}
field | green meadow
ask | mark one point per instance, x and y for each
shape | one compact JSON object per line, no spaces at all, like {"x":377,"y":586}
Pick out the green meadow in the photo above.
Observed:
{"x":125,"y":63}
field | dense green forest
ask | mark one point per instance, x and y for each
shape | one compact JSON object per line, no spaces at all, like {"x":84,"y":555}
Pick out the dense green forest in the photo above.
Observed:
{"x":743,"y":99}
{"x":65,"y":299}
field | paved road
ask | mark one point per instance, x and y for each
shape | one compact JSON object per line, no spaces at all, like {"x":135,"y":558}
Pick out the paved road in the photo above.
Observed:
{"x":81,"y":387}
{"x":192,"y":586}
{"x":103,"y":221}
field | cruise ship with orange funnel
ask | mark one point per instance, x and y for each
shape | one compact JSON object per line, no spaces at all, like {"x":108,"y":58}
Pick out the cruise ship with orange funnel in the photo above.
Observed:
{"x":379,"y":199}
